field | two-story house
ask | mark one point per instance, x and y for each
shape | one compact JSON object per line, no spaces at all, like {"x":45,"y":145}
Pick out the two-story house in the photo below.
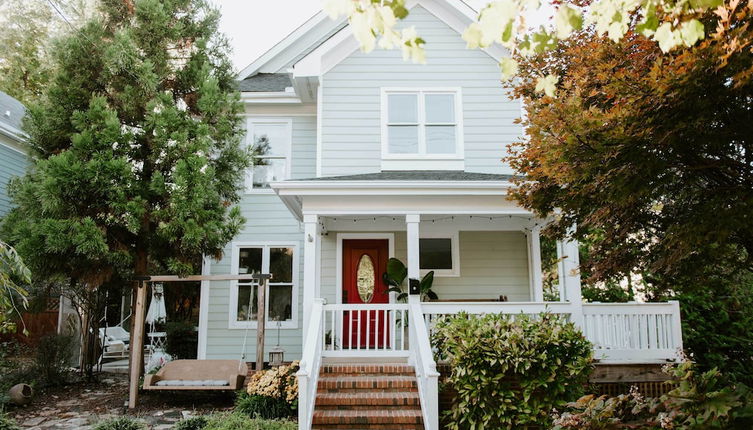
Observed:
{"x":365,"y":156}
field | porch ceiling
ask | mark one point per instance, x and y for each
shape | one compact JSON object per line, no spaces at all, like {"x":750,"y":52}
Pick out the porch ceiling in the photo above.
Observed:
{"x":399,"y":193}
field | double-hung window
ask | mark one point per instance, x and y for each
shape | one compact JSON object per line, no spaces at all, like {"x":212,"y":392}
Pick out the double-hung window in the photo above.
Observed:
{"x":281,"y":304}
{"x":270,"y":140}
{"x":421,"y":123}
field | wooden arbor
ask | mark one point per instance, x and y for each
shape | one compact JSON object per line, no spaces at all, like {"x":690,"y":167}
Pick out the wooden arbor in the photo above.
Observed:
{"x":137,"y":336}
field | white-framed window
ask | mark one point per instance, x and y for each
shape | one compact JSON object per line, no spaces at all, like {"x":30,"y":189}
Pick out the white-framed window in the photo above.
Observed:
{"x":422,"y":123}
{"x":281,"y":298}
{"x":439,"y":252}
{"x":271,"y":140}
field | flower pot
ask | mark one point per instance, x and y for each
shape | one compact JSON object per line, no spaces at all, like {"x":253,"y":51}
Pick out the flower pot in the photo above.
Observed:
{"x":20,"y":394}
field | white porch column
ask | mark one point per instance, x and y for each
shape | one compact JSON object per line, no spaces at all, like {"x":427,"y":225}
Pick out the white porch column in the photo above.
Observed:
{"x":311,"y":246}
{"x":414,"y":270}
{"x":569,"y":274}
{"x":534,"y":264}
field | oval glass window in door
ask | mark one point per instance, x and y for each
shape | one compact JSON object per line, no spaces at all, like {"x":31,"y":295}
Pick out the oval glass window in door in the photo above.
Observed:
{"x":365,"y":278}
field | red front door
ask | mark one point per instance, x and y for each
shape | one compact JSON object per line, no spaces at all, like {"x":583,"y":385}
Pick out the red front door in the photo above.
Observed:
{"x":364,"y":262}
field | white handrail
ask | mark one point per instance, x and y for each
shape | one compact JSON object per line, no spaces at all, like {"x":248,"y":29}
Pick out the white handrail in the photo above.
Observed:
{"x":426,"y":368}
{"x":311,"y":358}
{"x":496,"y":307}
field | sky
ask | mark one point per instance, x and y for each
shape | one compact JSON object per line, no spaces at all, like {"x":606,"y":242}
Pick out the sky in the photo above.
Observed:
{"x":254,"y":26}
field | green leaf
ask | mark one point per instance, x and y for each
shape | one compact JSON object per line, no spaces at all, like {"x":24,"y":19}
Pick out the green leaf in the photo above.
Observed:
{"x":567,"y":20}
{"x":691,"y":32}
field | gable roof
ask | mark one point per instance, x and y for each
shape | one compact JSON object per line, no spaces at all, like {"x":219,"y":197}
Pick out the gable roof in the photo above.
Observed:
{"x":418,"y":175}
{"x":320,"y":28}
{"x":265,"y":82}
{"x":12,"y":113}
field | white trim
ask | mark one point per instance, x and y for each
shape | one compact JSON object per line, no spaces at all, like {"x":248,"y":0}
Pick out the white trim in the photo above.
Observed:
{"x":341,"y":44}
{"x":206,"y":269}
{"x":265,"y":97}
{"x":321,"y":18}
{"x":454,"y":236}
{"x":233,"y":322}
{"x":319,"y":112}
{"x":339,"y":257}
{"x":421,"y":92}
{"x":14,"y":144}
{"x":251,"y":120}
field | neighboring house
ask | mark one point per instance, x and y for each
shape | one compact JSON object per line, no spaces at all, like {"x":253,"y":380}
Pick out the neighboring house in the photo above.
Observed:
{"x":369,"y":157}
{"x":14,"y":157}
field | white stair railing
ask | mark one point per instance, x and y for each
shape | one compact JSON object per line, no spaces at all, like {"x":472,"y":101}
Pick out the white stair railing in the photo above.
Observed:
{"x":426,"y":368}
{"x":311,"y":358}
{"x":365,"y":330}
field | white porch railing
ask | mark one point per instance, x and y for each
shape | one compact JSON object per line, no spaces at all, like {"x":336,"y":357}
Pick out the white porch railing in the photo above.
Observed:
{"x":311,"y":359}
{"x":633,"y":332}
{"x":365,"y":330}
{"x":620,"y":333}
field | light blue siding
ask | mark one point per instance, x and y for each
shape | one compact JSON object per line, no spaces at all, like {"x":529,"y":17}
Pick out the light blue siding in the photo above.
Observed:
{"x":267,"y":220}
{"x":351,"y":137}
{"x":492,"y":263}
{"x":13,"y":163}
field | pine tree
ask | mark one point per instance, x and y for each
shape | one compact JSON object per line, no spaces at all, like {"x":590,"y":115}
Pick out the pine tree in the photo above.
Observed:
{"x":139,"y":139}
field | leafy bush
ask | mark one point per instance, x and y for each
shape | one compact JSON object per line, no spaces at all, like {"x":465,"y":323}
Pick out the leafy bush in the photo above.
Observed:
{"x":700,"y":401}
{"x":181,"y":340}
{"x":194,"y":423}
{"x":510,"y":372}
{"x":53,"y":357}
{"x":271,"y":393}
{"x":717,"y":327}
{"x":236,"y":421}
{"x":120,"y":423}
{"x":254,"y":405}
{"x":7,"y":423}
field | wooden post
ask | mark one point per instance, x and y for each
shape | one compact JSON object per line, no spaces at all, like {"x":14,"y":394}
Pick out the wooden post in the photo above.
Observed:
{"x":261,"y":320}
{"x":137,"y":345}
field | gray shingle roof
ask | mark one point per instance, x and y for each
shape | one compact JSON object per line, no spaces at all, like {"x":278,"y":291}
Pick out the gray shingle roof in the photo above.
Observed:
{"x":263,"y":82}
{"x":418,"y":175}
{"x":11,"y":111}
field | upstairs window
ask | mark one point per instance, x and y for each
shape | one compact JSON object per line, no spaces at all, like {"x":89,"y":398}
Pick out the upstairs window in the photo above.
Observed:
{"x":270,"y":140}
{"x":423,"y":123}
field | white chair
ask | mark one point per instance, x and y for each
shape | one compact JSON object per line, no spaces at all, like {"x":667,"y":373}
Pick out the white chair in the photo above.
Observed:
{"x":114,"y":341}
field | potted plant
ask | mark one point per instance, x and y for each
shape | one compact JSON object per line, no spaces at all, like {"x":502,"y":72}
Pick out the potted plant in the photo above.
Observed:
{"x":395,"y":276}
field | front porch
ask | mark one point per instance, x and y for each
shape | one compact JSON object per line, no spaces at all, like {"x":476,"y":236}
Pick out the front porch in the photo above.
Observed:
{"x":491,"y":264}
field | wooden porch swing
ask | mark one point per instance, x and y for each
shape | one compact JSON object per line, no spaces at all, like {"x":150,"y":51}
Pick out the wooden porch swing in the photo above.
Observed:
{"x":194,"y":375}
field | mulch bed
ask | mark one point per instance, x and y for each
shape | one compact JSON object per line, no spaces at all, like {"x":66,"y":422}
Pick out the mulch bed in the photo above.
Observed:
{"x":108,"y":395}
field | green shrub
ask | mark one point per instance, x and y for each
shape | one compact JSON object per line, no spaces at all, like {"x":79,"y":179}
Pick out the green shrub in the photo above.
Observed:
{"x":52,"y":359}
{"x":236,"y":421}
{"x":7,"y":423}
{"x":181,"y":340}
{"x":701,"y":401}
{"x":120,"y":423}
{"x":257,"y":406}
{"x":510,"y":372}
{"x":194,"y":423}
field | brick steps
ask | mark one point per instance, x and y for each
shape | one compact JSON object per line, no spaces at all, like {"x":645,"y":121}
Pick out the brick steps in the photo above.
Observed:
{"x":359,"y":400}
{"x":367,"y":396}
{"x":367,"y":382}
{"x":373,"y":418}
